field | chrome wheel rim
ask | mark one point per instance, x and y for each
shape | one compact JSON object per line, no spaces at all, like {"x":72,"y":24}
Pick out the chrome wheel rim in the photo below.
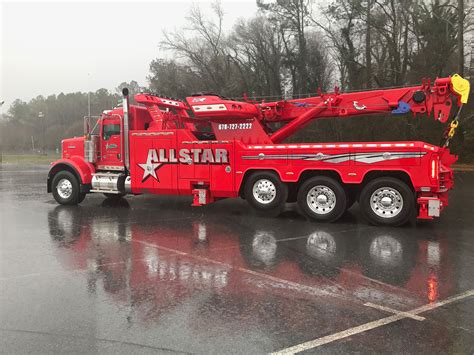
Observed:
{"x":321,"y":199}
{"x":64,"y":188}
{"x":264,"y":191}
{"x":386,"y":202}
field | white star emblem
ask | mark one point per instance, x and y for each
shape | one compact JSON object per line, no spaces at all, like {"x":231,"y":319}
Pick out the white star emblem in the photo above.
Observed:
{"x":149,"y":168}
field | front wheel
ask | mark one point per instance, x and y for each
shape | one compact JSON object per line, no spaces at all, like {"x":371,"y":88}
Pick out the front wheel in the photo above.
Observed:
{"x":322,"y":198}
{"x":387,"y":201}
{"x":265,"y":192}
{"x":66,"y":190}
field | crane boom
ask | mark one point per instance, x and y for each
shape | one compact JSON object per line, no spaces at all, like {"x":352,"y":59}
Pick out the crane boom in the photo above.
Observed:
{"x":420,"y":99}
{"x":248,"y":120}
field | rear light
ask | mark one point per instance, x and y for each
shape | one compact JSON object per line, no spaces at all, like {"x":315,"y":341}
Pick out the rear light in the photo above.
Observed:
{"x":434,"y":168}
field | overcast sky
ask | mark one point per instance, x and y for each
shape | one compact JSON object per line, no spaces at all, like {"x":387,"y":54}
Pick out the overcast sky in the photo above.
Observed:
{"x":53,"y":47}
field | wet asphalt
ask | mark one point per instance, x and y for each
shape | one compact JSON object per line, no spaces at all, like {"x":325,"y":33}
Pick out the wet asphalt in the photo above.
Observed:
{"x":150,"y":274}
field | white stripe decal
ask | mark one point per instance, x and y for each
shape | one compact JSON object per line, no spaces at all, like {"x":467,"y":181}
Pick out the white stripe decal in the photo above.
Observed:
{"x":368,"y":158}
{"x":371,"y":158}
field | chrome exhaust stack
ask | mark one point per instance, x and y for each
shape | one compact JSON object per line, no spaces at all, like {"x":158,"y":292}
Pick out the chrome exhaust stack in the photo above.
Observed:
{"x":126,"y":129}
{"x":90,"y":149}
{"x":90,"y":142}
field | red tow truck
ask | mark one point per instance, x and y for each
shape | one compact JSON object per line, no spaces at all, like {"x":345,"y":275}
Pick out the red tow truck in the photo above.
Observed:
{"x":213,"y":148}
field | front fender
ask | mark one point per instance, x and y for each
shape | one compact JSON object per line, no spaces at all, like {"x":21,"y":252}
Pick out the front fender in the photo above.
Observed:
{"x":78,"y":166}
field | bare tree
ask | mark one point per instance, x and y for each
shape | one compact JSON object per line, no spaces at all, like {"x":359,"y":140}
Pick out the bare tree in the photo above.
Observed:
{"x":205,"y":52}
{"x":292,"y":19}
{"x":257,"y":51}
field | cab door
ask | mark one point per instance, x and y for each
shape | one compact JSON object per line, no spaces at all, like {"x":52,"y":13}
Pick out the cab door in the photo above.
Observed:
{"x":111,"y":157}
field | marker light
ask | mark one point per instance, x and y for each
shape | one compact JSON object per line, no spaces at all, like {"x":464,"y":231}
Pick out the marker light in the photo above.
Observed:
{"x":434,"y":168}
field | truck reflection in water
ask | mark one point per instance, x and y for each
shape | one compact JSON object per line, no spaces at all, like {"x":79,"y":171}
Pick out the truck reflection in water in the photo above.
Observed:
{"x":156,"y":265}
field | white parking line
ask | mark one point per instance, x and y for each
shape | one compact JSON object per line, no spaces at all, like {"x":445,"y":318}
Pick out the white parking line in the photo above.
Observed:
{"x":370,"y":325}
{"x":394,"y":311}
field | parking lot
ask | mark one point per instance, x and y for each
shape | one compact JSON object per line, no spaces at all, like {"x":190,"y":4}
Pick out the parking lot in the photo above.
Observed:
{"x":151,"y":274}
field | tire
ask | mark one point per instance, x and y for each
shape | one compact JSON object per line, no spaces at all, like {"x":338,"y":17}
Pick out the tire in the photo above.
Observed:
{"x":332,"y":203}
{"x":65,"y":189}
{"x":398,"y":206}
{"x":265,"y":192}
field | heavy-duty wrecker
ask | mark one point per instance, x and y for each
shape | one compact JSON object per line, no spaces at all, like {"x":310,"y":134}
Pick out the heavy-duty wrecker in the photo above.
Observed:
{"x":213,"y":148}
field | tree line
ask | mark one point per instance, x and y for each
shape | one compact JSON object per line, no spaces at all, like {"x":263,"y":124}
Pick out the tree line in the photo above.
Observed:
{"x":39,"y":125}
{"x":292,"y":48}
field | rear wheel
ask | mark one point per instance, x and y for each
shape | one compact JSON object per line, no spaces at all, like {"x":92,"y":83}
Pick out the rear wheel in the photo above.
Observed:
{"x":265,"y":192}
{"x":66,"y":190}
{"x":387,"y":201}
{"x":322,"y":198}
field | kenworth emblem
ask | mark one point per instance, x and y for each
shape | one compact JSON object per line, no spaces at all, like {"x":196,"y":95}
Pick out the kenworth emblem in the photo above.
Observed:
{"x":157,"y":158}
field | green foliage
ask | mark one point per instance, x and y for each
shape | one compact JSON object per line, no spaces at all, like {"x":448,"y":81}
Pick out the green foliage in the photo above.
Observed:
{"x":171,"y":79}
{"x":62,"y":116}
{"x":436,"y":55}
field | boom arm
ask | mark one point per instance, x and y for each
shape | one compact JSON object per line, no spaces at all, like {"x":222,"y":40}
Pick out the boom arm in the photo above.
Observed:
{"x":247,"y":121}
{"x":423,"y":99}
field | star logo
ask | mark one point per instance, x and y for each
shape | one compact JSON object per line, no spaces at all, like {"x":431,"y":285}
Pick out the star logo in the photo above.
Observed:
{"x":151,"y":165}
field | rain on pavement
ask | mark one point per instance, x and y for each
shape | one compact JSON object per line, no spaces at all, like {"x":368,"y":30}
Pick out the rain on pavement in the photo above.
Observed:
{"x":151,"y":274}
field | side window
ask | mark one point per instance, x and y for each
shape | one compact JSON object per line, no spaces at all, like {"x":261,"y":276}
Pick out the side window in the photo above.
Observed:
{"x":111,"y":130}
